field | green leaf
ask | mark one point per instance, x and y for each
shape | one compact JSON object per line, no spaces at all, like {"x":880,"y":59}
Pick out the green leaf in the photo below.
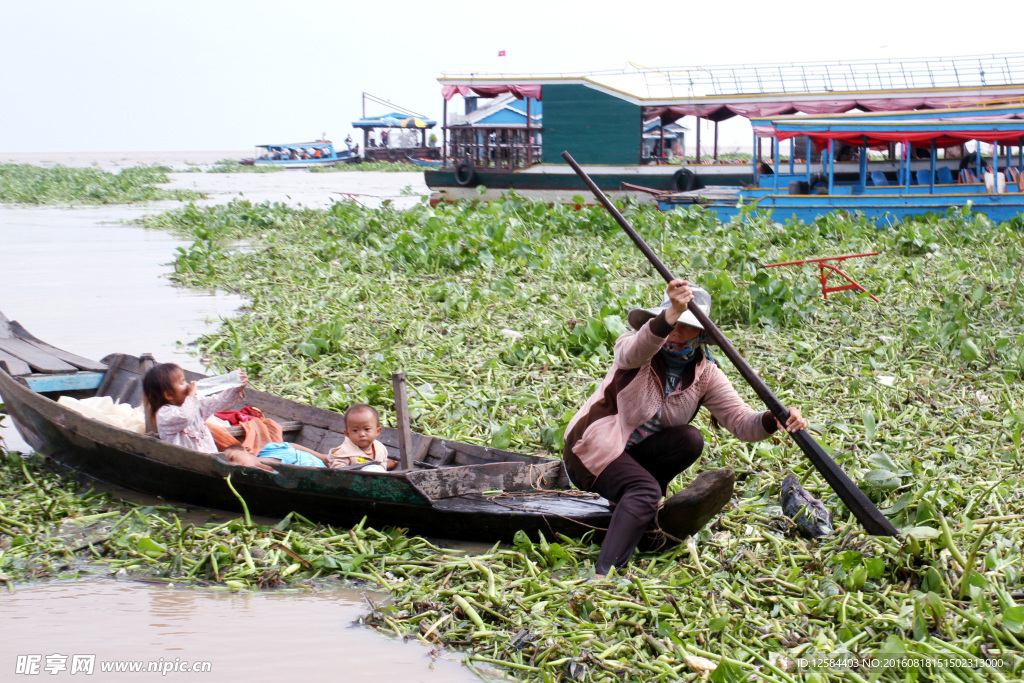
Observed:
{"x":882,"y":479}
{"x":616,"y":328}
{"x":719,"y":623}
{"x":869,"y":426}
{"x":922,"y":533}
{"x":501,"y":437}
{"x":849,"y":559}
{"x":726,"y":673}
{"x":875,"y":566}
{"x":1013,"y":619}
{"x":148,"y":546}
{"x":969,"y":350}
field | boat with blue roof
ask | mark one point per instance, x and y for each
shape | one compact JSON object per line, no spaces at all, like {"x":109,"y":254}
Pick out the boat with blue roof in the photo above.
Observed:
{"x":303,"y":155}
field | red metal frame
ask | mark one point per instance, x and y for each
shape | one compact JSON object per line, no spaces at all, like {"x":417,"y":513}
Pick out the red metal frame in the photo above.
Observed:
{"x":826,"y":269}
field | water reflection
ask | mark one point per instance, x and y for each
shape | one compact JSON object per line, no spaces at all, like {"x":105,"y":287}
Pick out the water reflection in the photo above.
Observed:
{"x":253,"y":637}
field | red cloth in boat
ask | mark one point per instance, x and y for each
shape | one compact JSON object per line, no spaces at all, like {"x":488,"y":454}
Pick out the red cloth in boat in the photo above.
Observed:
{"x":237,"y":417}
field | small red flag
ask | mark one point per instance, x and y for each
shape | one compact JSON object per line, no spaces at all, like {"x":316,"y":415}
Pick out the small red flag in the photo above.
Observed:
{"x":501,"y":53}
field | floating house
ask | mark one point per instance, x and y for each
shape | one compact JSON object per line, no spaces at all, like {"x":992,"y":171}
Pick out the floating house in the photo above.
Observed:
{"x":379,"y":142}
{"x":602,"y":118}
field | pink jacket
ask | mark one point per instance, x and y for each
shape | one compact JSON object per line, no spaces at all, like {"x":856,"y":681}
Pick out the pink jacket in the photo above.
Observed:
{"x":633,"y":391}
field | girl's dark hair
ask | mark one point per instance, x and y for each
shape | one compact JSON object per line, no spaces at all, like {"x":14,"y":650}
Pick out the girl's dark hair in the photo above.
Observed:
{"x":359,"y":408}
{"x":156,"y":384}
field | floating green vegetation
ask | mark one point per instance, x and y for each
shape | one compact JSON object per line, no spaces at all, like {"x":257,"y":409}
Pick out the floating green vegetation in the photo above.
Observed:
{"x":28,"y":184}
{"x":235,"y":166}
{"x":386,"y":166}
{"x":503,"y":316}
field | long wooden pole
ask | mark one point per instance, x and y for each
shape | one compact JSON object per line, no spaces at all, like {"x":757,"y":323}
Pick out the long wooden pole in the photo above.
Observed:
{"x":862,"y":508}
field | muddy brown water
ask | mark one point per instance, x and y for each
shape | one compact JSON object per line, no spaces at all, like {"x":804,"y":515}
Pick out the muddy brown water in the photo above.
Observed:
{"x":84,"y":280}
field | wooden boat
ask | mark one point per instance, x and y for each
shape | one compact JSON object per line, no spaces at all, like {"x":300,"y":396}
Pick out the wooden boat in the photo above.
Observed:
{"x":302,"y":155}
{"x":426,"y":163}
{"x":881,"y":197}
{"x":453,"y":490}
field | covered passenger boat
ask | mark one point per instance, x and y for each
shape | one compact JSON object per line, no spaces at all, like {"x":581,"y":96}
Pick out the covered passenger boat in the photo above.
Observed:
{"x":303,"y":155}
{"x":993,"y":185}
{"x":442,"y":488}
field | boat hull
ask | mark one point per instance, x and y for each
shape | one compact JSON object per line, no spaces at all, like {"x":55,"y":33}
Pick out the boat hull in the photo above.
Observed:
{"x":880,"y":208}
{"x":441,"y":502}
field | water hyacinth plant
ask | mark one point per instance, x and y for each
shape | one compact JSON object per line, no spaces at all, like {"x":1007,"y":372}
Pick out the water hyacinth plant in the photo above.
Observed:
{"x":503,"y":316}
{"x":28,"y":184}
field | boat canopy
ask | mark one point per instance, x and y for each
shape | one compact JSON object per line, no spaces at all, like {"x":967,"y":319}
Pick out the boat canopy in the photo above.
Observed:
{"x":1003,"y":125}
{"x":394,"y":120}
{"x":319,"y":144}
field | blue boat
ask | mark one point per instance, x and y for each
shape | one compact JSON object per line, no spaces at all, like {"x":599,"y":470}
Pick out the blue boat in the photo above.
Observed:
{"x":426,"y":163}
{"x":303,"y":155}
{"x":991,"y":185}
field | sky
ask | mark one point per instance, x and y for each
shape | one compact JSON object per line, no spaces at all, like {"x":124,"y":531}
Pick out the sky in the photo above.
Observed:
{"x":153,"y":75}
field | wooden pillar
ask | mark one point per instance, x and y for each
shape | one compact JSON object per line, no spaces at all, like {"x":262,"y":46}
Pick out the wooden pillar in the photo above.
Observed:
{"x":716,"y":142}
{"x":402,"y":420}
{"x":444,"y":133}
{"x":696,"y":157}
{"x":529,"y":145}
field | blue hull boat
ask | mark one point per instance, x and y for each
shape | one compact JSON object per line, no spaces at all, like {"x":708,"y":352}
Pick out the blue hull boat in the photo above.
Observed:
{"x":303,"y":155}
{"x":938,"y":189}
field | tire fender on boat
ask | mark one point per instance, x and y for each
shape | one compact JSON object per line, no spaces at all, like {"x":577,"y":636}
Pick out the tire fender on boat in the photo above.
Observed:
{"x":393,"y":154}
{"x":465,"y":174}
{"x":684,"y":180}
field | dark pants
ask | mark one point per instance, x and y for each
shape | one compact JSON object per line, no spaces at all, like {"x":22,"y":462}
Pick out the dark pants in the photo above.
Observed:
{"x":636,"y":481}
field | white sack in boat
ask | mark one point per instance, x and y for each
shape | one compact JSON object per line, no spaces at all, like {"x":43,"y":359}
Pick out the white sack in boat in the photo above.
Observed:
{"x":218,"y":383}
{"x":103,"y":409}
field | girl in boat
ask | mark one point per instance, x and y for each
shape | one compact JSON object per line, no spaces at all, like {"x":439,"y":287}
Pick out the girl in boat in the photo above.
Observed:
{"x":179,"y":414}
{"x":633,"y":435}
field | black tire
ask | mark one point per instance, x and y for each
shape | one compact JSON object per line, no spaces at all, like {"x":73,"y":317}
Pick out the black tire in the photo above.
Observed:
{"x":393,"y":154}
{"x":465,"y":174}
{"x":684,"y":180}
{"x":799,"y":187}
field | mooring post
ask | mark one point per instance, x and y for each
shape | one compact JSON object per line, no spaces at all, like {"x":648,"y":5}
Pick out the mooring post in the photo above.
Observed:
{"x":402,"y":419}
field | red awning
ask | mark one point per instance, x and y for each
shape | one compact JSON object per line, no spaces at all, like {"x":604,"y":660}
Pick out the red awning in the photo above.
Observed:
{"x":721,"y":112}
{"x":521,"y":92}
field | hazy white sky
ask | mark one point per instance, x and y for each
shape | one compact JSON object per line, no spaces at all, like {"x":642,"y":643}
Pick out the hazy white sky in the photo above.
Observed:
{"x":143,"y":75}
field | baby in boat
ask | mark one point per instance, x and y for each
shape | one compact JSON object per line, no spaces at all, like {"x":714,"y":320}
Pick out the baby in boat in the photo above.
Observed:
{"x":362,"y":427}
{"x":180,"y":417}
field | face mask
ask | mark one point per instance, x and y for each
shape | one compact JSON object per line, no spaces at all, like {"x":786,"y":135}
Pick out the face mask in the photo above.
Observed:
{"x":683,"y":351}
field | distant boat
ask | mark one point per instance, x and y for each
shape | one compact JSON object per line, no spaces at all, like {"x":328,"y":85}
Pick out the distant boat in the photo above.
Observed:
{"x":429,"y":163}
{"x":302,"y":155}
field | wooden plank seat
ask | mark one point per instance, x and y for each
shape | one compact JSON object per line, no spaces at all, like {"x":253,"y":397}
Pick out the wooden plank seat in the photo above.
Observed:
{"x":38,"y":359}
{"x":286,"y":426}
{"x":15,"y":367}
{"x":79,"y":362}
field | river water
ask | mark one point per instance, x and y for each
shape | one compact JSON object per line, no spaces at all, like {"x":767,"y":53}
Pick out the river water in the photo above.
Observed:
{"x":86,"y":281}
